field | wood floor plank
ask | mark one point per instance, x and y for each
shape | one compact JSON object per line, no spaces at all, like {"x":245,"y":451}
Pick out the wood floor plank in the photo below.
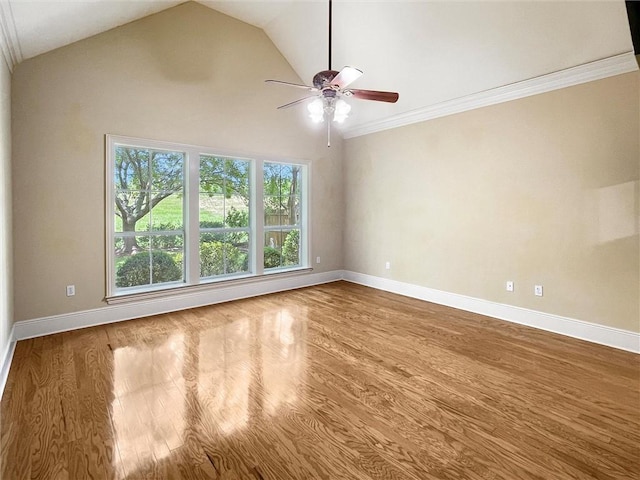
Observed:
{"x":336,"y":381}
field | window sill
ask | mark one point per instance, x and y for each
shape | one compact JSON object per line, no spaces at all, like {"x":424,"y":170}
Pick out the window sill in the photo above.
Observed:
{"x":209,"y":285}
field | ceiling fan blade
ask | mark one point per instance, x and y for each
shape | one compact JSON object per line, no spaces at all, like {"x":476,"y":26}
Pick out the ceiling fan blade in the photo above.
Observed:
{"x":297,"y":85}
{"x":391,"y":97}
{"x":346,"y":76}
{"x":295,"y":102}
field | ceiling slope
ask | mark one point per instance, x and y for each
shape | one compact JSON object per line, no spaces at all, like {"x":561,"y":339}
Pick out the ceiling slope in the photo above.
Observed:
{"x":443,"y":57}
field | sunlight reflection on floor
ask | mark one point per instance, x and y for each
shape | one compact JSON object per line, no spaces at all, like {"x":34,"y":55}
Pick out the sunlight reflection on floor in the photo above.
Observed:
{"x":235,"y":371}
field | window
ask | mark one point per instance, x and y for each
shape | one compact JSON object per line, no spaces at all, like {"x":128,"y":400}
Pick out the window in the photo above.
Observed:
{"x":180,"y":215}
{"x":225,"y":233}
{"x":281,"y":205}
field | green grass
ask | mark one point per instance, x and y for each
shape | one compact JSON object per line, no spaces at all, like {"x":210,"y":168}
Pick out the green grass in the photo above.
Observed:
{"x":168,"y":211}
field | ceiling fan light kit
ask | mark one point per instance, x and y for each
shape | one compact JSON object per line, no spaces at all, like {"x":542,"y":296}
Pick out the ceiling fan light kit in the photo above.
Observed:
{"x":329,"y":86}
{"x":329,"y":106}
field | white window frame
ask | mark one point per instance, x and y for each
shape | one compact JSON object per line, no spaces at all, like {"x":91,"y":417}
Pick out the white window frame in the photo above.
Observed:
{"x":191,"y":217}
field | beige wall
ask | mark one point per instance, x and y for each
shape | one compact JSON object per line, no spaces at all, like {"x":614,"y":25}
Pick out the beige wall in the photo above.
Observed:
{"x":188,"y":75}
{"x":542,"y":190}
{"x":6,"y":254}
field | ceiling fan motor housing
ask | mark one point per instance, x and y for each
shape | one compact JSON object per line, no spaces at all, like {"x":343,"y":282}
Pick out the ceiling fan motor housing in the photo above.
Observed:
{"x":323,"y":79}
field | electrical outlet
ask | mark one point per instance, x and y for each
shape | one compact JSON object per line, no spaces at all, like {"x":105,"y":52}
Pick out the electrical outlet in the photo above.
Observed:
{"x":317,"y":259}
{"x":538,"y":290}
{"x":387,"y":265}
{"x":509,"y":286}
{"x":71,"y":290}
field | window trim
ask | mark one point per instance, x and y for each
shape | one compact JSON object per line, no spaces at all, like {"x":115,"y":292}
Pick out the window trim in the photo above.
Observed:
{"x":192,"y":280}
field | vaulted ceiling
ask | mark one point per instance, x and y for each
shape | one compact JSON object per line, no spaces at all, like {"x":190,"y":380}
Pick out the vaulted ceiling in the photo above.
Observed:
{"x":441,"y":56}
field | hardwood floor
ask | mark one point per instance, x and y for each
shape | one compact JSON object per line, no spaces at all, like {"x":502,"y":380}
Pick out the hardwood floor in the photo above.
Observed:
{"x":337,"y":381}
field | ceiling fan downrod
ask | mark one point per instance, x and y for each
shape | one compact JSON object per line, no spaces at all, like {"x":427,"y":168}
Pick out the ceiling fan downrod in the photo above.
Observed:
{"x":330,"y":30}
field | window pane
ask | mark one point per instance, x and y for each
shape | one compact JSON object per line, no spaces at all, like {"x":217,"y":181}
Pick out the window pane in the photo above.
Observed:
{"x":236,"y":212}
{"x":273,"y":248}
{"x":292,"y":211}
{"x":272,"y":210}
{"x":167,"y":258}
{"x":211,"y":210}
{"x":171,"y":244}
{"x":235,"y":257}
{"x":286,"y":177}
{"x":131,"y":170}
{"x":240,"y":240}
{"x":211,"y":256}
{"x":166,"y":171}
{"x":127,"y":207}
{"x":297,"y":180}
{"x":226,"y":254}
{"x":211,"y":169}
{"x":236,"y":177}
{"x":271,"y":179}
{"x":291,"y":249}
{"x":168,"y":212}
{"x":132,"y":261}
{"x":225,"y":176}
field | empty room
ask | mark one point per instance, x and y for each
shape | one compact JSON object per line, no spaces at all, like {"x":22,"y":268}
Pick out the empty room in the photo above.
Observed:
{"x":319,"y":239}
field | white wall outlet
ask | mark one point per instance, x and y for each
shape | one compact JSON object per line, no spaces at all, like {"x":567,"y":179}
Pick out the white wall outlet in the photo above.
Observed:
{"x":317,"y":259}
{"x":71,"y":290}
{"x":538,"y":290}
{"x":387,"y":265}
{"x":509,"y":286}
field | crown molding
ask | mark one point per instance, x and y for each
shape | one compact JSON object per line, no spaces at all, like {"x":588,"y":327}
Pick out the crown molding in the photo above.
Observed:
{"x":600,"y":69}
{"x":9,"y":42}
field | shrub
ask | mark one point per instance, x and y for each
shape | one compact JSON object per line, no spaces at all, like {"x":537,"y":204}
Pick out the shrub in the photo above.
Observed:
{"x":136,"y":269}
{"x":272,"y":257}
{"x":237,"y":218}
{"x":218,"y":258}
{"x":291,"y":248}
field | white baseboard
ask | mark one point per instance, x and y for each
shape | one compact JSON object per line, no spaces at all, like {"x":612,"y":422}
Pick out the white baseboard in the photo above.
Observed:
{"x":38,"y":327}
{"x":591,"y":332}
{"x":6,"y":359}
{"x":126,"y":311}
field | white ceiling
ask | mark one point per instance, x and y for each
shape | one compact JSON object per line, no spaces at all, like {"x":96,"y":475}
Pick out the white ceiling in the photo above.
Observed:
{"x":434,"y":53}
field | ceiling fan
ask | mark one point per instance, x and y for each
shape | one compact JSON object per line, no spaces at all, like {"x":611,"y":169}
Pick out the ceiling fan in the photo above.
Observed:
{"x":330,"y":89}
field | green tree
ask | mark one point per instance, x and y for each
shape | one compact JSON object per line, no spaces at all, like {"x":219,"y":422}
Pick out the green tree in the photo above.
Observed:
{"x":219,"y":175}
{"x":282,"y":190}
